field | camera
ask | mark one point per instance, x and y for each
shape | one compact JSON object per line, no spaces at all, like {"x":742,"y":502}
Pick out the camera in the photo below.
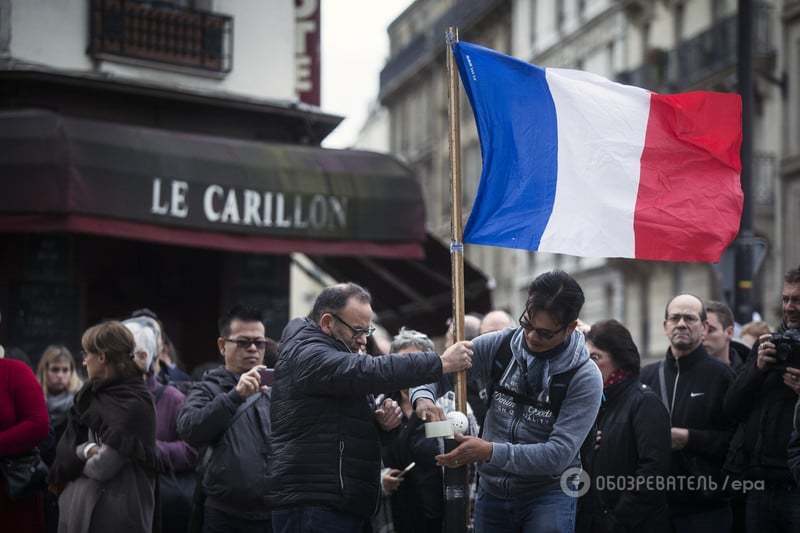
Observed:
{"x":787,"y":348}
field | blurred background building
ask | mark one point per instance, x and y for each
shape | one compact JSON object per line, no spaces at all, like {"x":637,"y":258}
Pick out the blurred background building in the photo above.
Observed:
{"x":662,"y":45}
{"x":166,"y":154}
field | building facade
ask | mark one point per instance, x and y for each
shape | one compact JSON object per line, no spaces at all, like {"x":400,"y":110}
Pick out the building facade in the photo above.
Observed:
{"x":671,"y":46}
{"x":167,"y":155}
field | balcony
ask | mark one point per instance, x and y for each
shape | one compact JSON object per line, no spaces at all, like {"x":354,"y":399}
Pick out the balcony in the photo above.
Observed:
{"x":422,"y":49}
{"x":160,"y":34}
{"x":709,"y":55}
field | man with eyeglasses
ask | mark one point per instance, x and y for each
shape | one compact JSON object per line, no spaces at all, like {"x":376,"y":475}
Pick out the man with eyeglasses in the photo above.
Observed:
{"x":544,"y":395}
{"x":229,"y":413}
{"x":692,"y":386}
{"x":325,"y":474}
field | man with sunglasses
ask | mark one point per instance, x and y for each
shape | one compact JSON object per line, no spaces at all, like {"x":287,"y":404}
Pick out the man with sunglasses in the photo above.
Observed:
{"x":229,"y":413}
{"x":326,"y":462}
{"x":692,"y":386}
{"x":544,"y":394}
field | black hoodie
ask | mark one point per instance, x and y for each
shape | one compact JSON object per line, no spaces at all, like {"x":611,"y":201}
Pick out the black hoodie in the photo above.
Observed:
{"x":325,"y":442}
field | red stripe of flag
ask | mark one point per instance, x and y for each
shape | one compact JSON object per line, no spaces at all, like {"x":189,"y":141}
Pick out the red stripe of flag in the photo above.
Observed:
{"x":690,"y":199}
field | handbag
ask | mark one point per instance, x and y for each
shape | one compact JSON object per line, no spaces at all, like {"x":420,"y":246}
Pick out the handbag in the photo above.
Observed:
{"x":25,"y":474}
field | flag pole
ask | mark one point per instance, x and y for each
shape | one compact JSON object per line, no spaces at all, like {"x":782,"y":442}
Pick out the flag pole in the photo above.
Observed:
{"x":456,"y":484}
{"x":456,"y":220}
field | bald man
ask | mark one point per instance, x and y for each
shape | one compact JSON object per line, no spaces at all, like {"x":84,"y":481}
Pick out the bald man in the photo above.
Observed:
{"x":692,"y":386}
{"x":495,"y":321}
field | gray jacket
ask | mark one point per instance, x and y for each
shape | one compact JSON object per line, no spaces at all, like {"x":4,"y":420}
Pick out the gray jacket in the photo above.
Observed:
{"x":530,"y":451}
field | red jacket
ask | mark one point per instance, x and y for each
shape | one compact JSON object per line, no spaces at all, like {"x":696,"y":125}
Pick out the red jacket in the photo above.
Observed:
{"x":24,"y":422}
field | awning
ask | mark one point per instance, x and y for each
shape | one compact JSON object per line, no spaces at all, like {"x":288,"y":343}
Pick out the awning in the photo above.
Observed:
{"x":73,"y":175}
{"x":415,"y":293}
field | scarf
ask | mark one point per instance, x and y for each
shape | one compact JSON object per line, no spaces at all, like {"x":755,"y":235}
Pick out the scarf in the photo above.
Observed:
{"x":616,"y":376}
{"x":58,"y":405}
{"x":120,"y":412}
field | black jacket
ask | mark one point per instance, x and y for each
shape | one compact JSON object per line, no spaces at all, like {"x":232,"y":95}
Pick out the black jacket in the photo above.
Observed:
{"x":794,"y":446}
{"x":235,"y":477}
{"x":325,"y":442}
{"x":420,"y":497}
{"x":739,"y":352}
{"x":635,"y":442}
{"x":702,"y":382}
{"x":764,"y":407}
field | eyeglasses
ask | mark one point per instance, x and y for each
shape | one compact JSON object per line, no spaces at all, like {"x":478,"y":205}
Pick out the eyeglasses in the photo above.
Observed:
{"x":245,"y":343}
{"x":357,"y":332}
{"x":688,"y":319}
{"x":544,"y":334}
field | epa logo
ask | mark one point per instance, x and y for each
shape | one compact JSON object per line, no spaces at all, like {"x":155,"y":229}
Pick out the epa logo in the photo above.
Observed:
{"x":575,"y":482}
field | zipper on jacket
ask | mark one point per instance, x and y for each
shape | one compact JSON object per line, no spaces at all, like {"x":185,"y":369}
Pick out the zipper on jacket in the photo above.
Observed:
{"x":674,"y":390}
{"x":341,"y":457}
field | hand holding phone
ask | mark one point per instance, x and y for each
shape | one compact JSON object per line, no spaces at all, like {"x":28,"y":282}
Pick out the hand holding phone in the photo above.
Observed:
{"x":267,"y":376}
{"x":406,"y":470}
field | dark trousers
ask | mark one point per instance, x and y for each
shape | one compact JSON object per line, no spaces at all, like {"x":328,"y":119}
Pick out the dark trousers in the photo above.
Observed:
{"x":216,"y":521}
{"x":315,"y":520}
{"x":717,"y":520}
{"x":773,"y":510}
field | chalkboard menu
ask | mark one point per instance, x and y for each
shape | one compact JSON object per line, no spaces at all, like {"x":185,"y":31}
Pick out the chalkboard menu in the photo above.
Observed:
{"x":44,"y":306}
{"x":261,"y":281}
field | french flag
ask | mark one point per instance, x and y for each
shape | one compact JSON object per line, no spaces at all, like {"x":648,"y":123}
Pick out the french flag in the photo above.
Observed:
{"x":576,"y":164}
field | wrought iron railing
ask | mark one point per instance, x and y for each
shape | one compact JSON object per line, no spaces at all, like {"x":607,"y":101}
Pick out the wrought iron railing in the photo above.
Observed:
{"x":162,"y":33}
{"x":702,"y":56}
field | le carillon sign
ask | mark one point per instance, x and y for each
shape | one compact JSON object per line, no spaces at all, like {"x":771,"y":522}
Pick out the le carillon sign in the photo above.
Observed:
{"x":234,"y":207}
{"x":103,"y":173}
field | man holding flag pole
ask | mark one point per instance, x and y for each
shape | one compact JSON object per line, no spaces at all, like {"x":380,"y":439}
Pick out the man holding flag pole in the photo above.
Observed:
{"x":572,"y":163}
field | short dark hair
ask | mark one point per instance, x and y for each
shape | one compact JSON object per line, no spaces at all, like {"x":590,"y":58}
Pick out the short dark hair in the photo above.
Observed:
{"x":723,"y":312}
{"x":612,"y":337}
{"x":271,"y":353}
{"x":703,"y":316}
{"x":557,"y":293}
{"x":793,"y":276}
{"x":335,"y":297}
{"x":243,"y":313}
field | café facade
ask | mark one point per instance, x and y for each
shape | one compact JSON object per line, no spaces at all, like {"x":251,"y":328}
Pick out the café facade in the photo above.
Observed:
{"x":117,"y":197}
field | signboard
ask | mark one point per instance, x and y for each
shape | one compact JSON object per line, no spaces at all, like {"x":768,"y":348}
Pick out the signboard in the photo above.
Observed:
{"x":307,"y":54}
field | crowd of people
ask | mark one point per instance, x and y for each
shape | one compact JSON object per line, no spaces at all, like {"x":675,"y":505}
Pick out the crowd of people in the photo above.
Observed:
{"x":324,"y":431}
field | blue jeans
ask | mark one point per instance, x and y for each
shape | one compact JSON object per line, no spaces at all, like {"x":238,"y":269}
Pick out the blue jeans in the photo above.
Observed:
{"x":315,"y":520}
{"x":548,"y":512}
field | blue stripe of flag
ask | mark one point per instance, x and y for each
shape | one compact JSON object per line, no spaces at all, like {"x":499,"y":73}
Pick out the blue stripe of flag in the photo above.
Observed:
{"x":517,"y":126}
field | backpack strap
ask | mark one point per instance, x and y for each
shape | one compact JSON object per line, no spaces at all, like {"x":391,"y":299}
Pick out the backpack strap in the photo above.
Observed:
{"x":502,"y":357}
{"x":558,"y":388}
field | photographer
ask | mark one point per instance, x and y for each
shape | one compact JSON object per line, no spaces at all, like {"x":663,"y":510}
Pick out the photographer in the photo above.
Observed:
{"x":762,"y":399}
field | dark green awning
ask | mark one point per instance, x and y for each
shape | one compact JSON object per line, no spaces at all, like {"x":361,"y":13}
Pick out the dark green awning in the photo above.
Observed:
{"x":141,"y":183}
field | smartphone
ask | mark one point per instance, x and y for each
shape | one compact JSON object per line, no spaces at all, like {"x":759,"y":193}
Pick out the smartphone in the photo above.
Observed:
{"x":406,"y":470}
{"x":267,"y":376}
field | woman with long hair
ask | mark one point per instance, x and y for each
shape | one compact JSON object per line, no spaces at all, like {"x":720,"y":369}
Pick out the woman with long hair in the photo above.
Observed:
{"x":106,"y":462}
{"x":60,"y":382}
{"x":632,"y":443}
{"x":59,"y":379}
